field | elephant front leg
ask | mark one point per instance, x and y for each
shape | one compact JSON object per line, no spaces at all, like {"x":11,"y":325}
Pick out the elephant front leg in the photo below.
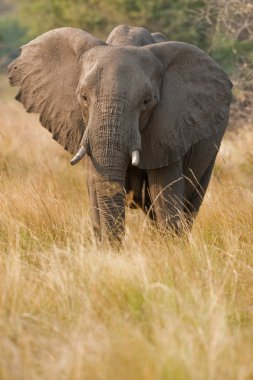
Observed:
{"x":95,"y":216}
{"x":166,"y":186}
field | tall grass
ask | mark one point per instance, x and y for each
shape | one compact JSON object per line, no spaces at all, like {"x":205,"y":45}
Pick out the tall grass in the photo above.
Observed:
{"x":160,"y":308}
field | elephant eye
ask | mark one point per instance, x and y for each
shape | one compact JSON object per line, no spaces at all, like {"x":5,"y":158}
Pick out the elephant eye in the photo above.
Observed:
{"x":146,"y":101}
{"x":84,"y":100}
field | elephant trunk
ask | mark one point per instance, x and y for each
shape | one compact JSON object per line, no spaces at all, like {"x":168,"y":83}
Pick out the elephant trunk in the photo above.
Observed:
{"x":110,"y":143}
{"x":110,"y":169}
{"x":111,"y":204}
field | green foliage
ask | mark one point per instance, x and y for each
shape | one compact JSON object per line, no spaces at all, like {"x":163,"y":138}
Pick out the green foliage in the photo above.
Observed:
{"x":49,"y":14}
{"x":11,"y":38}
{"x":231,"y":53}
{"x":209,"y":24}
{"x":174,"y":19}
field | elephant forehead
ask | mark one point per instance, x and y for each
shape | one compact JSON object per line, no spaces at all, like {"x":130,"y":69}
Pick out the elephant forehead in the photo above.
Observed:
{"x":117,"y":58}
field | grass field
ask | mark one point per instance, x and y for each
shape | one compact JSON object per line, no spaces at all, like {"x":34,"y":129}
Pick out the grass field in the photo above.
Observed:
{"x":158,"y":309}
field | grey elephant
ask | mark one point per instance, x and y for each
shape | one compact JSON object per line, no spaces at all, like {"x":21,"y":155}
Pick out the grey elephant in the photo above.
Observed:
{"x":149,"y":115}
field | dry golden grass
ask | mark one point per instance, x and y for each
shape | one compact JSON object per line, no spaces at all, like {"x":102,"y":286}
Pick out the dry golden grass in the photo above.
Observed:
{"x":158,"y":309}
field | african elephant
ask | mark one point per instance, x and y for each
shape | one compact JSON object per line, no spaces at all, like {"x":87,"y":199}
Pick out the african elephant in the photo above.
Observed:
{"x":149,"y":115}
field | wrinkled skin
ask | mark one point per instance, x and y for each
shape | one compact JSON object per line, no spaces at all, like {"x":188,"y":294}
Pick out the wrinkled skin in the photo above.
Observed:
{"x":133,"y":94}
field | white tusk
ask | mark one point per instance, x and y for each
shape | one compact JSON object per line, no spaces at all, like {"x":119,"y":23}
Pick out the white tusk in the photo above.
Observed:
{"x":135,"y":158}
{"x":80,"y":154}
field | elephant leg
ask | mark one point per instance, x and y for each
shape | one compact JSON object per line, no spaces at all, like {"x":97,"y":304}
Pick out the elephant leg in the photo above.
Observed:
{"x":135,"y":180}
{"x":137,"y":189}
{"x":194,"y":199}
{"x":95,"y":217}
{"x":166,"y":187}
{"x":147,"y":203}
{"x":197,"y":174}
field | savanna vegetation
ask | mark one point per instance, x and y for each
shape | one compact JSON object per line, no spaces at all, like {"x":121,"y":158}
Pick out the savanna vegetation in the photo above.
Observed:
{"x":158,"y":308}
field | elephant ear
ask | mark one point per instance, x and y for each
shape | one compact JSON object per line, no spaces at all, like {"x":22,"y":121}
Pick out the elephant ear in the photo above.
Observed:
{"x":48,"y":71}
{"x":195,"y":96}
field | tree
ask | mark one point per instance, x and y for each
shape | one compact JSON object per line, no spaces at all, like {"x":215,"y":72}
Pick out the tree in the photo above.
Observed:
{"x":230,"y":28}
{"x":174,"y":19}
{"x":12,"y":35}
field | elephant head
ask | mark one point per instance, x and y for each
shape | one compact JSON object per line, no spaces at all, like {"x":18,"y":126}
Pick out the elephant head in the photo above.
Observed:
{"x":121,"y":105}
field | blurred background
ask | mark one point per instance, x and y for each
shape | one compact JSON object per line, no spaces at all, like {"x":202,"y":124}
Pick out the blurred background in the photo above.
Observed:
{"x":223,"y":28}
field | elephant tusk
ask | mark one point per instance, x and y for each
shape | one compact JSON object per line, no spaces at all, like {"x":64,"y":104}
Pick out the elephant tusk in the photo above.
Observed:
{"x":135,"y":158}
{"x":80,"y":154}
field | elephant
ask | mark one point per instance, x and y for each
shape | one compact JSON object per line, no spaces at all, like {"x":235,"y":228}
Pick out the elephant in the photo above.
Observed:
{"x":147,"y":114}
